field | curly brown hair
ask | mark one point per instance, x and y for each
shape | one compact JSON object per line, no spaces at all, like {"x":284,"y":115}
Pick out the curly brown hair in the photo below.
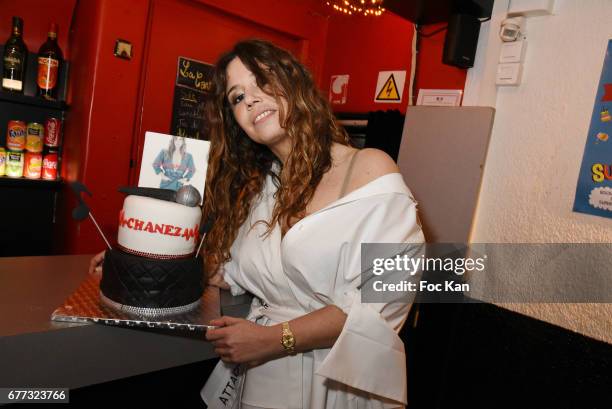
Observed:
{"x":238,"y":166}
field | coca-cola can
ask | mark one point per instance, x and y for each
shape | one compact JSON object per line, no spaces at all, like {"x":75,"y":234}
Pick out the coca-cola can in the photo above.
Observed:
{"x":33,"y":163}
{"x":53,"y":128}
{"x":49,"y":166}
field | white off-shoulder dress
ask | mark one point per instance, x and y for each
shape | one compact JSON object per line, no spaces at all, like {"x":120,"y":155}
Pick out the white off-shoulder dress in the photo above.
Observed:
{"x":317,"y":263}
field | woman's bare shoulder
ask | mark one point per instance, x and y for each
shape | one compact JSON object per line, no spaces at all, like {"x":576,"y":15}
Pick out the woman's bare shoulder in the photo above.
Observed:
{"x":371,"y":164}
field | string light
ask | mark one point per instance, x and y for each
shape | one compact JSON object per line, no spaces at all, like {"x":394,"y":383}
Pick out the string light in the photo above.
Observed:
{"x":365,"y":7}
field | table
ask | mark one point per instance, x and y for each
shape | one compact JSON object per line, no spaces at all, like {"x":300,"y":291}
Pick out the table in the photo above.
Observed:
{"x":37,"y":352}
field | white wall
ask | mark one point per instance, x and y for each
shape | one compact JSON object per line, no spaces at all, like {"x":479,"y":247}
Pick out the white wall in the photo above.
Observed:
{"x":538,"y":140}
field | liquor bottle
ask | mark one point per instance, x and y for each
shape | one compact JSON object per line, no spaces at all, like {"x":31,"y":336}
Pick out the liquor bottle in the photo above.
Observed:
{"x":49,"y":60}
{"x":14,"y":59}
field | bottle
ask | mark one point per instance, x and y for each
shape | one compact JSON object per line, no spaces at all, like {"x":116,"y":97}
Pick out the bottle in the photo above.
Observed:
{"x":14,"y":59}
{"x":49,"y":59}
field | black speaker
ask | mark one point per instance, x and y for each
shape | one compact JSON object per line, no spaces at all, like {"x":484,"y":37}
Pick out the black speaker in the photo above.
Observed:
{"x":461,"y":40}
{"x":423,"y":12}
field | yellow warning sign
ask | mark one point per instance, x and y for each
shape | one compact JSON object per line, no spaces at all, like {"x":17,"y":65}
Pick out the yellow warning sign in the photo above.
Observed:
{"x":389,"y":91}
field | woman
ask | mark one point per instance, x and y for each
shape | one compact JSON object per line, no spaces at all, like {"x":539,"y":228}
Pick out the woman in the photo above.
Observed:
{"x":175,"y":164}
{"x":293,"y":201}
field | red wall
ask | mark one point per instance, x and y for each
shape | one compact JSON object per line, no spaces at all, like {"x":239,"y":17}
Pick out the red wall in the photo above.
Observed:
{"x":170,"y":20}
{"x":431,"y":73}
{"x":98,"y":133}
{"x":115,"y":101}
{"x":37,"y":15}
{"x":305,"y":19}
{"x":361,"y":47}
{"x":76,"y":126}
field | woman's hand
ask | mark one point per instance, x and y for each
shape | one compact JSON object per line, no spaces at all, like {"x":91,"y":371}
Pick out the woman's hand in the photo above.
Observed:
{"x":242,"y":341}
{"x":95,"y":265}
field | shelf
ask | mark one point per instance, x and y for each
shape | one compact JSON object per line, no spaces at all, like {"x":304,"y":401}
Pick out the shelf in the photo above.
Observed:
{"x":32,"y":101}
{"x":6,"y":181}
{"x":30,"y":87}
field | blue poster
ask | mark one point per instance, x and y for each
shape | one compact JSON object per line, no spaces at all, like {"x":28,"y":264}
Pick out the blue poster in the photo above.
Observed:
{"x":594,"y":189}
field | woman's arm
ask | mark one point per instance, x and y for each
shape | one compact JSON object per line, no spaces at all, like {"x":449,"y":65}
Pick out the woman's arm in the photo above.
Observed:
{"x":241,"y":341}
{"x":95,"y":264}
{"x":216,"y":280}
{"x":190,"y":167}
{"x":157,"y":163}
{"x":316,"y":330}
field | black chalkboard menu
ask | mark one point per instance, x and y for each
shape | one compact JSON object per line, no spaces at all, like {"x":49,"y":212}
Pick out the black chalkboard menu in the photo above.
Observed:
{"x":193,"y":83}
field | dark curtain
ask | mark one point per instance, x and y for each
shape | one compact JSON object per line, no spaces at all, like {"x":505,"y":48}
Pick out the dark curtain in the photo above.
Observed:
{"x":384,"y":131}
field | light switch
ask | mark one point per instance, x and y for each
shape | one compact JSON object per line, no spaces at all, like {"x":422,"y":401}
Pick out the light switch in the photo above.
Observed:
{"x":509,"y":74}
{"x":513,"y":51}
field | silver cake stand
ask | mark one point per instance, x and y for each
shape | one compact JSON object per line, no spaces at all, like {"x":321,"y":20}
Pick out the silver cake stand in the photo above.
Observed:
{"x":84,"y":306}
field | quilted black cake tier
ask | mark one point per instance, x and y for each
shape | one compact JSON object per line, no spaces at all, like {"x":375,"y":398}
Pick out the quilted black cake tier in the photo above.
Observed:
{"x":139,"y":283}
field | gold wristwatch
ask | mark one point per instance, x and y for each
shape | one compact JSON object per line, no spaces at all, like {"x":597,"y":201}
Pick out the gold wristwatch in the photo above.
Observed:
{"x":287,"y":339}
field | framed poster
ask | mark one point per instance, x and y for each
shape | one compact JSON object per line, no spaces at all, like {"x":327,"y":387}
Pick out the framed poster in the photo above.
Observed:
{"x":192,"y":87}
{"x":172,"y":161}
{"x":594,"y":188}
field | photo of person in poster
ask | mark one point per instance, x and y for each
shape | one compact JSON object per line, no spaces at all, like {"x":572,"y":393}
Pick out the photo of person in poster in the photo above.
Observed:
{"x":174,"y":164}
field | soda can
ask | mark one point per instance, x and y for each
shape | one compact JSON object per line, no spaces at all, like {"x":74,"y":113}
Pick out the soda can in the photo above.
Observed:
{"x":49,"y":166}
{"x":2,"y":161}
{"x":16,"y":135}
{"x":33,"y":165}
{"x":34,"y":137}
{"x":14,"y":164}
{"x":53,"y":127}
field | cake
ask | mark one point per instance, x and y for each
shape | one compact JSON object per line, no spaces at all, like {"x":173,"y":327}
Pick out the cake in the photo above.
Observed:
{"x":153,"y":270}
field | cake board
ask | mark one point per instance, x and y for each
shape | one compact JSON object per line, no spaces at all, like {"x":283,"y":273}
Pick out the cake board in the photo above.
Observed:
{"x":84,"y":306}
